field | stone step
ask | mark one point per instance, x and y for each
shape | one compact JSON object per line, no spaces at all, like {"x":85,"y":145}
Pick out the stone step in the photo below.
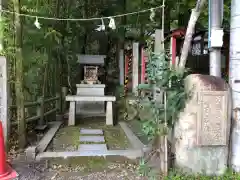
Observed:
{"x":91,"y":131}
{"x":92,"y":147}
{"x":93,"y":139}
{"x":131,"y":154}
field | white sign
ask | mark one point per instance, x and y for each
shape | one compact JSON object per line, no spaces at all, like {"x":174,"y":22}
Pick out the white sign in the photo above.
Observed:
{"x":216,"y":38}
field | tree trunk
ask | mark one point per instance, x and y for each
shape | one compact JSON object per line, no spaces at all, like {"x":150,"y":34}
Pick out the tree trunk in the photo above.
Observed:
{"x":19,"y":78}
{"x":85,"y":38}
{"x":190,"y":30}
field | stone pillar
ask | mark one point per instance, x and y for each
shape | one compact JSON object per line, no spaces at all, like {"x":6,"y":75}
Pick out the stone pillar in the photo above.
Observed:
{"x":121,"y":67}
{"x":158,"y":46}
{"x":72,"y":113}
{"x":109,"y":113}
{"x":135,"y":67}
{"x":143,"y":66}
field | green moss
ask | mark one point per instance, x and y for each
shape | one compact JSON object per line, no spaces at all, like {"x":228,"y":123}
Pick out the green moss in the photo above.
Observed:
{"x":114,"y":135}
{"x":69,"y":135}
{"x":229,"y":175}
{"x":174,"y":175}
{"x":66,"y":137}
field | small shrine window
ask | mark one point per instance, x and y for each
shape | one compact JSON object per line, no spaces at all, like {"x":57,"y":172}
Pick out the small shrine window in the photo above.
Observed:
{"x":90,"y":74}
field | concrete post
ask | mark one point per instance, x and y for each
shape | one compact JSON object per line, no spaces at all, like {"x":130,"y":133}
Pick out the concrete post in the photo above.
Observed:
{"x":215,"y":7}
{"x":135,"y":67}
{"x":72,"y":113}
{"x":109,"y":113}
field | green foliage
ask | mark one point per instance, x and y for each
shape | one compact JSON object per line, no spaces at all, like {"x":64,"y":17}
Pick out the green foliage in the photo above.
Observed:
{"x":176,"y":175}
{"x":161,"y":79}
{"x":164,"y":99}
{"x":145,"y":171}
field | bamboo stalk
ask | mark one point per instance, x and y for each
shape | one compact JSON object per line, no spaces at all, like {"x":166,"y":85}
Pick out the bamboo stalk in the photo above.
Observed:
{"x":19,"y":77}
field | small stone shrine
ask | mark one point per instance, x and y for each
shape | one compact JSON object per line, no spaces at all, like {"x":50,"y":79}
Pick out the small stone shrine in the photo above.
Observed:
{"x":90,"y":85}
{"x":201,"y":134}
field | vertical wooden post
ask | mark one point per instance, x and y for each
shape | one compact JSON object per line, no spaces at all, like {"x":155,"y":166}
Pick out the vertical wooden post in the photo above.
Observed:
{"x":170,"y":51}
{"x":63,"y":99}
{"x":58,"y":103}
{"x":4,"y":97}
{"x":135,"y":67}
{"x":58,"y":114}
{"x":40,"y":112}
{"x":126,"y":75}
{"x":121,"y":67}
{"x":126,"y":66}
{"x":39,"y":100}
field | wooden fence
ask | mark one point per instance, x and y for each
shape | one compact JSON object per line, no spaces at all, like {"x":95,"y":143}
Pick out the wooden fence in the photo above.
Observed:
{"x":58,"y":108}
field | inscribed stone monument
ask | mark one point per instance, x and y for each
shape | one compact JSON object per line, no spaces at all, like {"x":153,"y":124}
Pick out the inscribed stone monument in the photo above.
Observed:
{"x":203,"y":129}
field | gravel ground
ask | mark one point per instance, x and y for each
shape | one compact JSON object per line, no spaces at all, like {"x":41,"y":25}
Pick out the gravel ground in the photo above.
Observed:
{"x":43,"y":171}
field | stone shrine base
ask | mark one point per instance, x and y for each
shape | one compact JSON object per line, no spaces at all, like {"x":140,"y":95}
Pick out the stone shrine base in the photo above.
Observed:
{"x":90,"y":108}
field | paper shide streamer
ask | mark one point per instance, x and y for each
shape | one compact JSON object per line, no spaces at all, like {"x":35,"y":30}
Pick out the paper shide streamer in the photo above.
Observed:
{"x":152,"y":15}
{"x":37,"y":24}
{"x":111,"y":25}
{"x":101,"y":27}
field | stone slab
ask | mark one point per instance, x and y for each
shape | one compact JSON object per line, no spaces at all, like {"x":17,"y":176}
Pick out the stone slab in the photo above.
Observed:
{"x":44,"y":142}
{"x":90,"y":98}
{"x":90,"y":86}
{"x":91,"y":131}
{"x":133,"y":139}
{"x":131,"y":154}
{"x":90,"y":59}
{"x":94,"y":139}
{"x":211,"y":121}
{"x":92,"y":147}
{"x":41,"y":127}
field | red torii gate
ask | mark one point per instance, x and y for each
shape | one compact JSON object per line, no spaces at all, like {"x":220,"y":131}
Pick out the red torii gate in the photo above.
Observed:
{"x":177,"y":39}
{"x":176,"y":34}
{"x":180,"y":33}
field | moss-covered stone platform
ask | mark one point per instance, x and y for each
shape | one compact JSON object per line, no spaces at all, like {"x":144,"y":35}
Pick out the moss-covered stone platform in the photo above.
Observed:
{"x":118,"y":140}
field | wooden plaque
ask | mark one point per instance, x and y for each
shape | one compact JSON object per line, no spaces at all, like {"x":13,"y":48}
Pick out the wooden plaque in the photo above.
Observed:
{"x":212,"y":118}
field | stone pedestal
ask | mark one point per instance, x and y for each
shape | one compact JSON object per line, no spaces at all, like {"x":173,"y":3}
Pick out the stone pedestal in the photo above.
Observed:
{"x":90,"y":108}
